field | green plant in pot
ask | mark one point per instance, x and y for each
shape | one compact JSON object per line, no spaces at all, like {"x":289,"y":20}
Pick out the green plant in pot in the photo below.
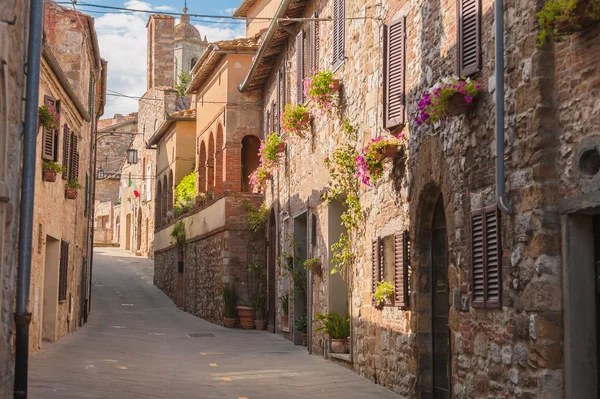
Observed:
{"x":338,"y":329}
{"x":313,"y":264}
{"x":300,"y":323}
{"x":559,"y":18}
{"x":49,"y":117}
{"x":51,"y":169}
{"x":383,"y":293}
{"x":230,"y":299}
{"x":259,"y":304}
{"x":71,"y":189}
{"x":284,"y":300}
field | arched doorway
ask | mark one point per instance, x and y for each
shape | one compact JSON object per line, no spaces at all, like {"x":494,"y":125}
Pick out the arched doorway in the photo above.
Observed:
{"x":250,"y":160}
{"x":128,"y":232}
{"x":271,"y":266}
{"x":441,"y":354}
{"x":138,"y":236}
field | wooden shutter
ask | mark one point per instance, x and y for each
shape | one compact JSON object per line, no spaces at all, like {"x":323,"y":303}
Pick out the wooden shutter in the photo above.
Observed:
{"x":87,"y":197}
{"x":49,"y":136}
{"x":66,"y":151}
{"x":338,"y":31}
{"x":375,"y":266}
{"x":74,"y":168}
{"x":300,"y":67}
{"x":469,"y":37}
{"x":63,"y":271}
{"x":313,"y":64}
{"x":394,"y":73}
{"x":274,"y":118}
{"x":401,"y":260}
{"x":486,"y":252}
{"x":279,"y":102}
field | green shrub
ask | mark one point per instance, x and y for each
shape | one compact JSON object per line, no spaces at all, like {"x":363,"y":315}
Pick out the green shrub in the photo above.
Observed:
{"x":334,"y":325}
{"x":178,"y":233}
{"x":230,"y":298}
{"x":185,"y":192}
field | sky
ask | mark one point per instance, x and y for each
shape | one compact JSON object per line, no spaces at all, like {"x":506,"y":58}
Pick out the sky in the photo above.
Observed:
{"x":122,"y":39}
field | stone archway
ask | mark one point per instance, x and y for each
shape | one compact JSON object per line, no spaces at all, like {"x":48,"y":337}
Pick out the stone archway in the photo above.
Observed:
{"x":432,"y":225}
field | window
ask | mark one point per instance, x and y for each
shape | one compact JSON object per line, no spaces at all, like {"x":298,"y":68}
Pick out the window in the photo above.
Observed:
{"x":394,"y":74}
{"x":86,"y":205}
{"x":148,"y":182}
{"x":313,"y":51}
{"x":74,"y":157}
{"x":486,"y":253}
{"x":66,"y":151}
{"x":267,"y":123}
{"x":63,"y":271}
{"x":390,"y":262}
{"x":338,"y":31}
{"x":469,"y":37}
{"x":91,"y":95}
{"x":275,"y":119}
{"x":50,"y":137}
{"x":300,"y":67}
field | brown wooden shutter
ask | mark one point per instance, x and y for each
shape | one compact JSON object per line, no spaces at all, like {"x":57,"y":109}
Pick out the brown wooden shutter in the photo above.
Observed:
{"x":375,"y":266}
{"x":64,"y":271}
{"x":300,"y":67}
{"x":279,"y":102}
{"x":66,"y":151}
{"x":401,"y":260}
{"x":74,"y":168}
{"x":469,"y":37}
{"x":338,"y":31}
{"x":49,"y":136}
{"x":394,"y":73}
{"x":314,"y":45}
{"x":486,"y":251}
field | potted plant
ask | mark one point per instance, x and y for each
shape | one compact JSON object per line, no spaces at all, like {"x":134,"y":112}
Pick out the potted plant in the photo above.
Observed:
{"x":384,"y":293}
{"x":338,"y":329}
{"x":370,"y":162}
{"x":49,"y":117}
{"x":246,"y":315}
{"x":258,"y":304}
{"x":51,"y":169}
{"x":448,"y":98}
{"x":258,"y":179}
{"x":561,"y":17}
{"x":230,"y":299}
{"x":321,"y":88}
{"x":300,"y":323}
{"x":271,"y":149}
{"x":295,"y":120}
{"x":313,"y":264}
{"x":285,"y":309}
{"x":71,"y":189}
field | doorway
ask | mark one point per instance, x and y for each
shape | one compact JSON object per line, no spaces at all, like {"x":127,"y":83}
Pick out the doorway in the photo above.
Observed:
{"x":300,"y":275}
{"x":440,"y":306}
{"x":128,"y":232}
{"x":271,"y":266}
{"x":138,"y":236}
{"x":51,"y":276}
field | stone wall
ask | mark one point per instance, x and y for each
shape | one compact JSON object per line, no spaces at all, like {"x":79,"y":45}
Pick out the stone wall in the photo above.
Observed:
{"x":161,"y":36}
{"x":514,"y":351}
{"x":12,"y":57}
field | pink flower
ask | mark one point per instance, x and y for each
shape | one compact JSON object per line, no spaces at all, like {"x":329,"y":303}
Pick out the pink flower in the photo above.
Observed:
{"x":468,"y":98}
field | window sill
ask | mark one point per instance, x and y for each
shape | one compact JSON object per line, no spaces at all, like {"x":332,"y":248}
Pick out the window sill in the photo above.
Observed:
{"x":338,"y":65}
{"x":341,"y":356}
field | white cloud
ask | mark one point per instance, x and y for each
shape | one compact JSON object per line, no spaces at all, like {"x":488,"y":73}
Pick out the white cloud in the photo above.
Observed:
{"x":229,"y":11}
{"x":123,"y":37}
{"x":165,"y":8}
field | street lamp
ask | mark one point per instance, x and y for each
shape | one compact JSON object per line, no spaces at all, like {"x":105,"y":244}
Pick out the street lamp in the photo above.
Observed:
{"x":132,"y":156}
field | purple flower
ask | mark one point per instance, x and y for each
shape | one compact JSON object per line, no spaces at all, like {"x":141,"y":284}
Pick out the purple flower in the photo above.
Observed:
{"x":468,"y":98}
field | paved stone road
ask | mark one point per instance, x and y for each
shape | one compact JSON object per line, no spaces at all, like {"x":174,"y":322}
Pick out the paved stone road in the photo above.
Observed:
{"x":136,"y":346}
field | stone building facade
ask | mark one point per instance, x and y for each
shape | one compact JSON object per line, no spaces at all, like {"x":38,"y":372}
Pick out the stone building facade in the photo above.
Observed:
{"x":115,"y":136}
{"x":14,"y":20}
{"x":73,"y":77}
{"x":518,"y":329}
{"x":216,"y":251}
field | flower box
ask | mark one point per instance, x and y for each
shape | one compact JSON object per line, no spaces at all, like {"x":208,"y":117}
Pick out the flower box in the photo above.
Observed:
{"x":457,"y":105}
{"x":390,"y":151}
{"x":71,"y":194}
{"x":449,"y":97}
{"x":50,"y":176}
{"x":280,"y":148}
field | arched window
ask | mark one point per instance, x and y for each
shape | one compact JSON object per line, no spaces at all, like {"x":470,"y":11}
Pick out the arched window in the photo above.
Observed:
{"x":163,"y":199}
{"x":250,"y":160}
{"x":210,"y":164}
{"x":218,"y":161}
{"x":157,"y":209}
{"x":201,"y":183}
{"x":192,"y":63}
{"x":170,"y":192}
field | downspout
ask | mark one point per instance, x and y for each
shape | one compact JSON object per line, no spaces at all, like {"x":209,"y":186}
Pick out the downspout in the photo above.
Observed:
{"x":22,"y":315}
{"x":500,"y":183}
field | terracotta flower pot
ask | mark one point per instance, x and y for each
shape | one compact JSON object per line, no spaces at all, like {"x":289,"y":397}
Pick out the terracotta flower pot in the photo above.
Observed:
{"x":71,"y":194}
{"x":339,"y":345}
{"x":305,"y":117}
{"x":268,"y":175}
{"x":457,"y":105}
{"x":260,"y":324}
{"x":579,"y":19}
{"x":317,"y":269}
{"x":390,"y":151}
{"x":229,"y":323}
{"x":285,"y":322}
{"x":246,"y":315}
{"x":280,"y":147}
{"x":336,"y":84}
{"x":304,"y":338}
{"x":50,"y":175}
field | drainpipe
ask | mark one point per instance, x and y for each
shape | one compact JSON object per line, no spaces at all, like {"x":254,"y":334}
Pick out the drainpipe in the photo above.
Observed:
{"x":22,"y":315}
{"x":499,"y":18}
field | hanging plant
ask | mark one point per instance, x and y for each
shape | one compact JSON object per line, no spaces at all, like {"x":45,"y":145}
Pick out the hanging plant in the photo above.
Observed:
{"x":561,"y":17}
{"x":370,"y":163}
{"x":321,"y":88}
{"x":271,"y":149}
{"x":258,"y":179}
{"x":448,"y":98}
{"x":295,"y":120}
{"x":49,"y":117}
{"x":384,"y":292}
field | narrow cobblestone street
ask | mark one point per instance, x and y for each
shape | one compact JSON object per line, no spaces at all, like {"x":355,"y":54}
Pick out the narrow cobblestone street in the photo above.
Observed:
{"x":136,"y":345}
